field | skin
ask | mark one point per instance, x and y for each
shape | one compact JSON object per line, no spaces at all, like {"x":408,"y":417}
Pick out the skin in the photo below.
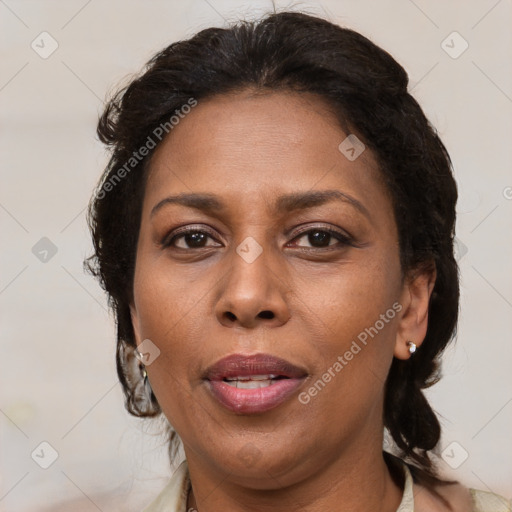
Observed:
{"x":201,"y":303}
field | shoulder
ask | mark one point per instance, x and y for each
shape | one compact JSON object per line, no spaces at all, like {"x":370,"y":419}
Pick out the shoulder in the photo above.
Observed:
{"x":484,"y":501}
{"x":459,"y":498}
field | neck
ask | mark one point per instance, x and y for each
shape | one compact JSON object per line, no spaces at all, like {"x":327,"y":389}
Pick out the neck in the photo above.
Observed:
{"x":357,"y":481}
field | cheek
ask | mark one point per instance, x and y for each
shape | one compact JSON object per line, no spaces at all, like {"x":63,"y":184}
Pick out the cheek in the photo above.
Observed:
{"x":166,"y":298}
{"x":350,"y":298}
{"x":165,"y":310}
{"x":357,"y":310}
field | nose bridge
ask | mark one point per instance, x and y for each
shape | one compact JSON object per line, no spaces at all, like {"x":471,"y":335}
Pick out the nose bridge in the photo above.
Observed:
{"x":252,"y":289}
{"x":251,"y":276}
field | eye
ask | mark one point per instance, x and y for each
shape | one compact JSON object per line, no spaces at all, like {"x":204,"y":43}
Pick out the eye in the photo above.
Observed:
{"x":189,"y":238}
{"x":320,"y":238}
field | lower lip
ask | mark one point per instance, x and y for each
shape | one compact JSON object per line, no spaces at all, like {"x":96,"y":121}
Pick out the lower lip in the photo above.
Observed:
{"x":253,"y":401}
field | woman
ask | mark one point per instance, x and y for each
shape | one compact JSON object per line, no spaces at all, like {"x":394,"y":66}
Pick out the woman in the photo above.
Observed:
{"x":275,"y":233}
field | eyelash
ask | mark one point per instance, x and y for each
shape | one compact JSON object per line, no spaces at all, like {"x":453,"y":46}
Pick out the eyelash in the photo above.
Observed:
{"x":343,"y":239}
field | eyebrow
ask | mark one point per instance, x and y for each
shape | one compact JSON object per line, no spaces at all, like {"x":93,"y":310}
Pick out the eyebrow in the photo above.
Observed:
{"x":285,"y":203}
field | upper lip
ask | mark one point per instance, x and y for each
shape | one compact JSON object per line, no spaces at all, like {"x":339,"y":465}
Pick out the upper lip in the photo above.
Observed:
{"x":239,"y":365}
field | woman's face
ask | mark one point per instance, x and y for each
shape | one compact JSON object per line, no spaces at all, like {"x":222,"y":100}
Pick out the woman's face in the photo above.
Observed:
{"x":273,"y":269}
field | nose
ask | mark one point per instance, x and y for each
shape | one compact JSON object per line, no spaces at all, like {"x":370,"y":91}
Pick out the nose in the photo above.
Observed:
{"x":252,"y":293}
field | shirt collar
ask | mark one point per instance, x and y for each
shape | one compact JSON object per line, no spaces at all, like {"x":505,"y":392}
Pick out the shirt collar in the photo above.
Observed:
{"x":174,"y":496}
{"x":407,"y":503}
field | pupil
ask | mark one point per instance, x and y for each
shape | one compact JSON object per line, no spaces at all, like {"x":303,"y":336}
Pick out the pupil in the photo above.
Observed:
{"x":320,"y":237}
{"x":195,"y":239}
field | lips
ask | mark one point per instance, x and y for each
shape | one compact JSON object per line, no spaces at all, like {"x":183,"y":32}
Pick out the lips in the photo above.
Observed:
{"x":253,"y":384}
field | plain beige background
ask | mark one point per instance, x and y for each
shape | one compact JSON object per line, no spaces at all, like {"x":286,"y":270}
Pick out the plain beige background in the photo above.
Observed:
{"x":57,"y":340}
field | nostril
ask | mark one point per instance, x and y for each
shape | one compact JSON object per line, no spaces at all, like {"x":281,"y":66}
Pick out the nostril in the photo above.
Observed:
{"x":266,"y":314}
{"x":230,"y":315}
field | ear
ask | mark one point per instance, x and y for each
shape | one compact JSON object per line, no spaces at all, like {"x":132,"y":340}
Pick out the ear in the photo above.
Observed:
{"x":415,"y":297}
{"x":135,"y":323}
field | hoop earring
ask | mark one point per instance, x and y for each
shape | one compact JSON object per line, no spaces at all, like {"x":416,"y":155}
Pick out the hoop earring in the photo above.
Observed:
{"x":147,"y":385}
{"x":412,"y":347}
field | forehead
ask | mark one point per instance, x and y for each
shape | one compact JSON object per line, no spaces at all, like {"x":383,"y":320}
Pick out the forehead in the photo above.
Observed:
{"x":249,"y":147}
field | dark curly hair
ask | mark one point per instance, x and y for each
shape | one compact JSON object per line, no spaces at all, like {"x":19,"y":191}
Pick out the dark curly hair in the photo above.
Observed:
{"x":367,"y":89}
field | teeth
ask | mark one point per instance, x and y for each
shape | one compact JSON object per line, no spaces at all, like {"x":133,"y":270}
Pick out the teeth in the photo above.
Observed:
{"x":253,"y":377}
{"x":250,"y":384}
{"x":261,"y":377}
{"x":251,"y":381}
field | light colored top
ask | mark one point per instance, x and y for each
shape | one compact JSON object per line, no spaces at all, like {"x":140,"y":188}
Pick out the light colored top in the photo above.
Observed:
{"x":415,"y":498}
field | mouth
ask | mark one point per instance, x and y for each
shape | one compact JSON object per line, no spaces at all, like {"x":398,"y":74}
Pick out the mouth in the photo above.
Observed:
{"x":253,"y":384}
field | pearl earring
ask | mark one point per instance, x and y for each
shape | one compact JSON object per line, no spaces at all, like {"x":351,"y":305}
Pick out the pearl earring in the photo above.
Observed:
{"x":412,"y":347}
